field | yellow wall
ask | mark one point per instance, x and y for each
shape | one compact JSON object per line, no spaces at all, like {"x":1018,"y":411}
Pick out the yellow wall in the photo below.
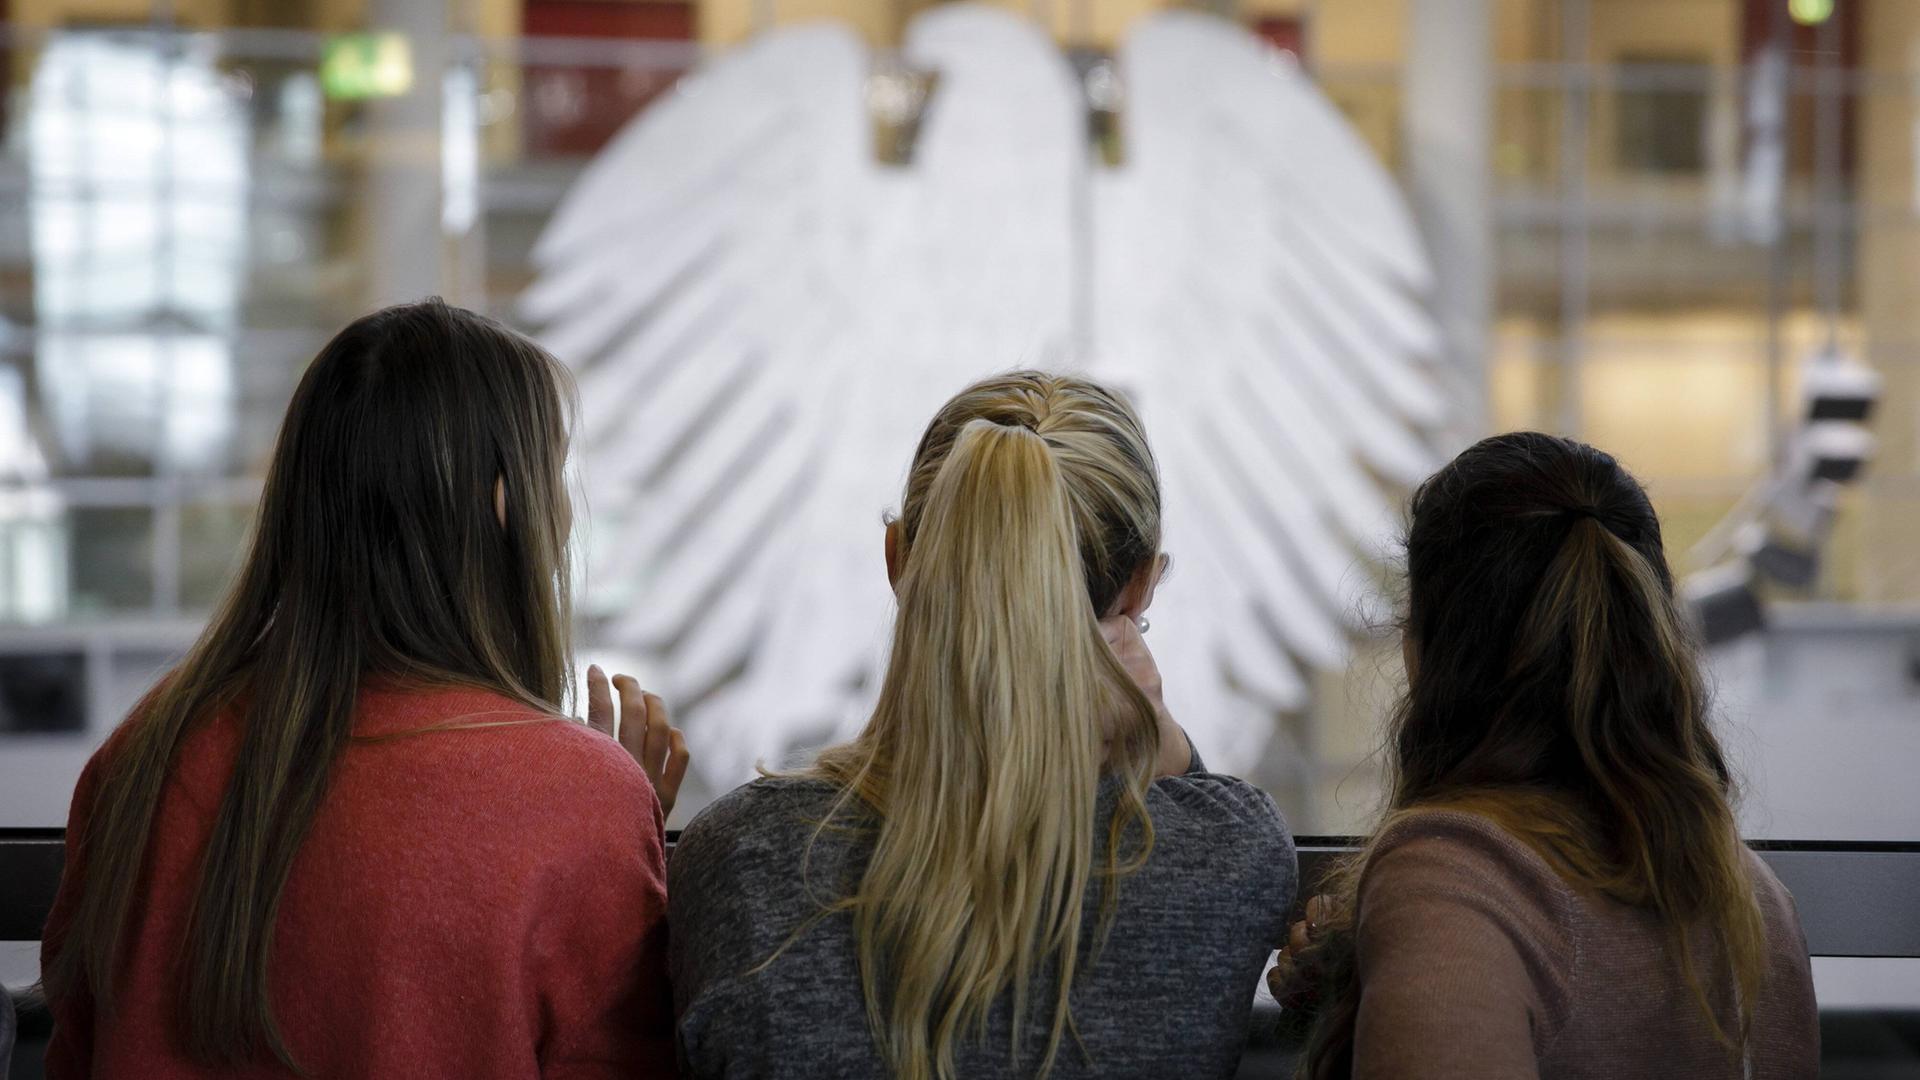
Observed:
{"x":214,"y":14}
{"x":1257,"y":9}
{"x":1099,"y":23}
{"x":1890,"y":252}
{"x":1680,"y":398}
{"x":1677,"y":395}
{"x":1884,"y":526}
{"x":725,"y":22}
{"x":1519,"y":29}
{"x":1356,"y":32}
{"x":1706,"y":28}
{"x":53,"y":13}
{"x":1662,"y":31}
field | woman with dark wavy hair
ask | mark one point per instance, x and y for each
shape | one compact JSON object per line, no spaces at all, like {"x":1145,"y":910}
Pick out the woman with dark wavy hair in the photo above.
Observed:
{"x":1559,"y":888}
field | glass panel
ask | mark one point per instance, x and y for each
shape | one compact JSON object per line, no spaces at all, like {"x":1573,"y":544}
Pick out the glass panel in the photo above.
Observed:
{"x":1661,"y":284}
{"x":130,"y":674}
{"x":1677,"y":410}
{"x":111,"y":555}
{"x":1526,"y":124}
{"x":211,"y":541}
{"x":1661,"y":131}
{"x":42,"y":693}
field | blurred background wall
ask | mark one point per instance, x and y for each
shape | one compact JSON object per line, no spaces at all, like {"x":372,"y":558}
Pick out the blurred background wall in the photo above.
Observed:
{"x":1646,"y":216}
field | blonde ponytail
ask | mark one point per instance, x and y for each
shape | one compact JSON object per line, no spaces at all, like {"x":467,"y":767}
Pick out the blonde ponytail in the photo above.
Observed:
{"x":984,"y":753}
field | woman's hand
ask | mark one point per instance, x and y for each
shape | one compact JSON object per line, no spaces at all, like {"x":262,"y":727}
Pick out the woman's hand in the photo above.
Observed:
{"x":1123,"y":636}
{"x":642,"y":728}
{"x":1284,"y":979}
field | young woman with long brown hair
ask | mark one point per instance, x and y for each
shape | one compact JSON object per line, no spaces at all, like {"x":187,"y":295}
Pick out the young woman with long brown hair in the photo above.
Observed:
{"x":1019,"y":868}
{"x":351,"y":834}
{"x":1559,"y":888}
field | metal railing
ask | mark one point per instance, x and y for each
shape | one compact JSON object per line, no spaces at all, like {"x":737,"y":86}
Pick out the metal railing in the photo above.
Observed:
{"x":1856,"y":898}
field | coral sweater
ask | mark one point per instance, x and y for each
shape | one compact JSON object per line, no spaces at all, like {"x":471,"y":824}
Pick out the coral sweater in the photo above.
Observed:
{"x":477,"y":903}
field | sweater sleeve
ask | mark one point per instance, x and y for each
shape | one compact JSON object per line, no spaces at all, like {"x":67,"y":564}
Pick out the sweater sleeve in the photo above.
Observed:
{"x":1463,"y":956}
{"x":599,"y":957}
{"x":721,"y":915}
{"x":1232,"y":824}
{"x":8,"y":1027}
{"x":1215,"y":801}
{"x":69,"y":1051}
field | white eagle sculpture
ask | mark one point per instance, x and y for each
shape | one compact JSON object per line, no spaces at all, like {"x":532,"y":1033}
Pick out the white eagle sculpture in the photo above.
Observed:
{"x":764,"y":312}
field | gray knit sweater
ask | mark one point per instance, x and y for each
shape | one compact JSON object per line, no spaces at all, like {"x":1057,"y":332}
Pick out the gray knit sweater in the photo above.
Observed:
{"x":1168,"y":995}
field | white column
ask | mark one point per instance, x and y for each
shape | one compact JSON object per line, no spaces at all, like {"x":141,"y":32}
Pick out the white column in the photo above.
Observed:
{"x":402,"y":246}
{"x":1447,"y":133}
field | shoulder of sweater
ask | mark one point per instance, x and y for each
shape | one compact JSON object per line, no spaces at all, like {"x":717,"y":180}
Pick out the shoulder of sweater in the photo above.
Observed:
{"x":770,"y":804}
{"x":1229,"y":841}
{"x":484,"y":714}
{"x":1476,"y":836}
{"x":1452,"y":855}
{"x":1457,"y":888}
{"x":1225,"y":810}
{"x":573,"y":746}
{"x":1766,"y":884}
{"x":515,"y":747}
{"x":748,"y":842}
{"x":1777,"y":905}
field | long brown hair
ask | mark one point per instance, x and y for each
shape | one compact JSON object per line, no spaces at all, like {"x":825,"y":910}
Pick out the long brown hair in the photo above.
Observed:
{"x":1556,"y":688}
{"x":377,"y":552}
{"x":1032,"y":502}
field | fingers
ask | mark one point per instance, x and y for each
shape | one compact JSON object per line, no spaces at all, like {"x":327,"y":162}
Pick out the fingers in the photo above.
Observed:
{"x":646,"y":732}
{"x":599,"y":700}
{"x":632,"y":729}
{"x":1279,"y":976}
{"x":1122,"y":635}
{"x":1292,"y":978}
{"x":1318,"y":908}
{"x":668,"y":787}
{"x":1303,"y":934}
{"x":658,"y":739}
{"x":1121,"y":632}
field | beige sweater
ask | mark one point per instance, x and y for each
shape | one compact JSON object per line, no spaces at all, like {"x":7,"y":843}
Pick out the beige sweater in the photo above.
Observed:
{"x":1478,"y":960}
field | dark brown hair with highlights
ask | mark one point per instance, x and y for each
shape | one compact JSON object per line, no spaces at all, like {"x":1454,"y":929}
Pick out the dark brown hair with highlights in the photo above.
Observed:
{"x":1557,"y":689}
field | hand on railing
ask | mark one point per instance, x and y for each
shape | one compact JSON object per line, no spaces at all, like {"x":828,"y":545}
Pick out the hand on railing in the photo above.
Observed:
{"x":1295,"y":975}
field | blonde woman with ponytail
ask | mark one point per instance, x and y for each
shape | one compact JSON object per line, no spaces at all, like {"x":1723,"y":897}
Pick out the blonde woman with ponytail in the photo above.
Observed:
{"x":1020,"y":868}
{"x":1559,"y":889}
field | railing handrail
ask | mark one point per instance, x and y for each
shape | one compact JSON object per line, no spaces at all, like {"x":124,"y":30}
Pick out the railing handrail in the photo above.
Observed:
{"x":1855,"y":897}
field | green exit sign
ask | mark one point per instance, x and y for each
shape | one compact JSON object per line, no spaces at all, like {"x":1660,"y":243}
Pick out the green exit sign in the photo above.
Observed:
{"x":1810,"y":12}
{"x":354,"y":67}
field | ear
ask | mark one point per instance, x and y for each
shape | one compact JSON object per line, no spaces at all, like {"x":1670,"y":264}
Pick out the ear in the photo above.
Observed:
{"x":500,"y":500}
{"x":896,"y":559}
{"x":1137,"y":597}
